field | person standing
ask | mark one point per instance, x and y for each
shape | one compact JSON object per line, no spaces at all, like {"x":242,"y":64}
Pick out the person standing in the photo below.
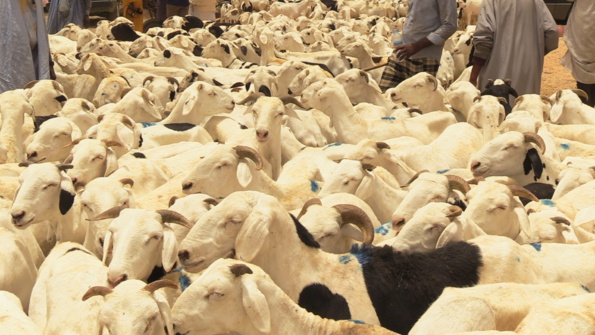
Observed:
{"x":579,"y":36}
{"x":429,"y":24}
{"x":63,"y":12}
{"x":511,"y":39}
{"x":203,"y":9}
{"x":24,"y":46}
{"x":177,"y":7}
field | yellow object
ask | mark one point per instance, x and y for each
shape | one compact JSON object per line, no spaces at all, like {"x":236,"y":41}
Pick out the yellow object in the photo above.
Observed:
{"x":133,"y":10}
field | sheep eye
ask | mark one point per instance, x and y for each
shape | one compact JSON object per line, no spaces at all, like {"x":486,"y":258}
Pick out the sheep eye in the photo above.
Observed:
{"x":98,"y":157}
{"x":49,"y":185}
{"x":101,"y":241}
{"x":215,"y":295}
{"x":510,"y":146}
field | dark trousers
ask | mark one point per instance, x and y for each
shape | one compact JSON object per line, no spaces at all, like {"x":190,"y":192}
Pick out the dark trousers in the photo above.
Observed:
{"x":590,"y":90}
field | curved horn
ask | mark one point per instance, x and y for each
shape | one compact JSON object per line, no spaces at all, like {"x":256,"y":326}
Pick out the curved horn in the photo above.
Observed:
{"x":174,"y":217}
{"x":561,"y":220}
{"x":292,"y":100}
{"x":353,"y":214}
{"x":382,"y":145}
{"x":458,"y":183}
{"x":251,"y":98}
{"x":519,"y":100}
{"x":454,"y":211}
{"x":580,"y":93}
{"x":149,"y":78}
{"x":247,"y":152}
{"x":522,"y":192}
{"x":127,"y":181}
{"x":534,"y":138}
{"x":310,"y":202}
{"x":502,"y":100}
{"x":172,"y":200}
{"x":240,"y":269}
{"x":113,"y":143}
{"x":477,"y":98}
{"x":433,"y":80}
{"x":415,"y":177}
{"x":64,"y":167}
{"x":558,"y":95}
{"x":111,"y":213}
{"x":74,"y":142}
{"x":475,"y":180}
{"x":127,"y":122}
{"x":97,"y":290}
{"x":368,"y":166}
{"x":154,"y":286}
{"x":546,"y":99}
{"x":30,"y":84}
{"x":211,"y":201}
{"x":173,"y":81}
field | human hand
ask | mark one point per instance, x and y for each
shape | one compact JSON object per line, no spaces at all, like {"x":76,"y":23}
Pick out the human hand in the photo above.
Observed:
{"x":405,"y":51}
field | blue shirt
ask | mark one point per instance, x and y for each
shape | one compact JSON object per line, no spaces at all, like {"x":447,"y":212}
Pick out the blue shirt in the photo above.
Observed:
{"x":434,"y":19}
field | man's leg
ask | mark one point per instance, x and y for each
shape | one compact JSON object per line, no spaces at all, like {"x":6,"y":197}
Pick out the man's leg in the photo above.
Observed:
{"x":590,"y":90}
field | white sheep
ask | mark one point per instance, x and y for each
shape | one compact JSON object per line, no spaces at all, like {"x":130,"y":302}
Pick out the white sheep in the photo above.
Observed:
{"x":13,"y":319}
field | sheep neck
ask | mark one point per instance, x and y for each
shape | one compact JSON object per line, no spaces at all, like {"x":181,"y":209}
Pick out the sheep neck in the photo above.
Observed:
{"x":350,"y":126}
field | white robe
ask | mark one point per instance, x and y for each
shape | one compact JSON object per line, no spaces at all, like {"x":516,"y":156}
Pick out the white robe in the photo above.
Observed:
{"x":579,"y":36}
{"x":513,"y":36}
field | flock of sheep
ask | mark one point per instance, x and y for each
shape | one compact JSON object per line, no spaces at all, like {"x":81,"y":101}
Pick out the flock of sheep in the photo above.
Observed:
{"x":251,"y":178}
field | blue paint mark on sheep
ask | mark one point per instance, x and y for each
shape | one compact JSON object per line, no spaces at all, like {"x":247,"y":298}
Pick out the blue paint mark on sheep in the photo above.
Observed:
{"x":314,"y":186}
{"x":442,"y":171}
{"x":388,"y":118}
{"x":565,"y":146}
{"x":344,"y":259}
{"x":148,"y":124}
{"x":333,"y":145}
{"x":362,"y":254}
{"x":383,"y":229}
{"x":586,"y":288}
{"x":537,"y":246}
{"x":548,"y":202}
{"x":359,"y":322}
{"x":183,"y":280}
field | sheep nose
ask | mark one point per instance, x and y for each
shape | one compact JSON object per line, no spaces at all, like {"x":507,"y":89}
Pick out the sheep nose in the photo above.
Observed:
{"x":17,"y":216}
{"x":262,"y":134}
{"x":186,"y":186}
{"x":184,"y":255}
{"x":289,"y":92}
{"x":31,"y":155}
{"x":475,"y":165}
{"x":398,"y":222}
{"x":117,"y":281}
{"x":74,"y":180}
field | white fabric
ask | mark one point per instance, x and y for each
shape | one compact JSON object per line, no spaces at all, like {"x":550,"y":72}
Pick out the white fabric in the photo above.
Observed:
{"x":513,"y":36}
{"x":579,"y":36}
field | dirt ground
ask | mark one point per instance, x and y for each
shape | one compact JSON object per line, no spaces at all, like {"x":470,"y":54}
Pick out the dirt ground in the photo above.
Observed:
{"x":555,"y":76}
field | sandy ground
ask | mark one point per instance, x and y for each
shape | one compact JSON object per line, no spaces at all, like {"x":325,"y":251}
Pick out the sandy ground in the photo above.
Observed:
{"x":555,"y":76}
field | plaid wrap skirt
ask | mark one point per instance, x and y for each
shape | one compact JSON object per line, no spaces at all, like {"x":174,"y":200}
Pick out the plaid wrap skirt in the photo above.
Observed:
{"x":395,"y":72}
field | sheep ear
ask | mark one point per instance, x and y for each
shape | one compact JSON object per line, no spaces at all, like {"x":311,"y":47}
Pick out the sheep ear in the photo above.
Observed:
{"x":164,"y":311}
{"x":452,"y":233}
{"x":243,"y":173}
{"x":364,"y":189}
{"x":107,"y":246}
{"x":256,"y":305}
{"x":533,"y":162}
{"x":252,"y":235}
{"x":111,"y":162}
{"x":67,"y":194}
{"x":556,"y":112}
{"x":169,"y":254}
{"x":428,"y":239}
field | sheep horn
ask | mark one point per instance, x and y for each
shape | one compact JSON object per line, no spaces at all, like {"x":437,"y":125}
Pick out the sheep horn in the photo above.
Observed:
{"x":580,"y":93}
{"x":562,"y":220}
{"x":534,"y":138}
{"x":458,"y":183}
{"x":382,"y":145}
{"x":111,"y":213}
{"x":64,"y":167}
{"x":353,"y":214}
{"x":292,"y":100}
{"x":100,"y":117}
{"x":415,"y":177}
{"x":25,"y":164}
{"x":310,"y":202}
{"x":475,"y":180}
{"x":477,"y":98}
{"x":30,"y":84}
{"x":97,"y":290}
{"x":558,"y":95}
{"x":149,"y":78}
{"x":74,"y":142}
{"x":251,"y":98}
{"x":154,"y":286}
{"x":247,"y":152}
{"x":127,"y":181}
{"x":546,"y":99}
{"x":522,"y":192}
{"x":173,"y":81}
{"x":454,"y":211}
{"x":127,"y":122}
{"x":211,"y":201}
{"x":433,"y":80}
{"x":172,"y":200}
{"x":502,"y":100}
{"x":519,"y":100}
{"x":113,"y":143}
{"x":240,"y":269}
{"x":174,"y":217}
